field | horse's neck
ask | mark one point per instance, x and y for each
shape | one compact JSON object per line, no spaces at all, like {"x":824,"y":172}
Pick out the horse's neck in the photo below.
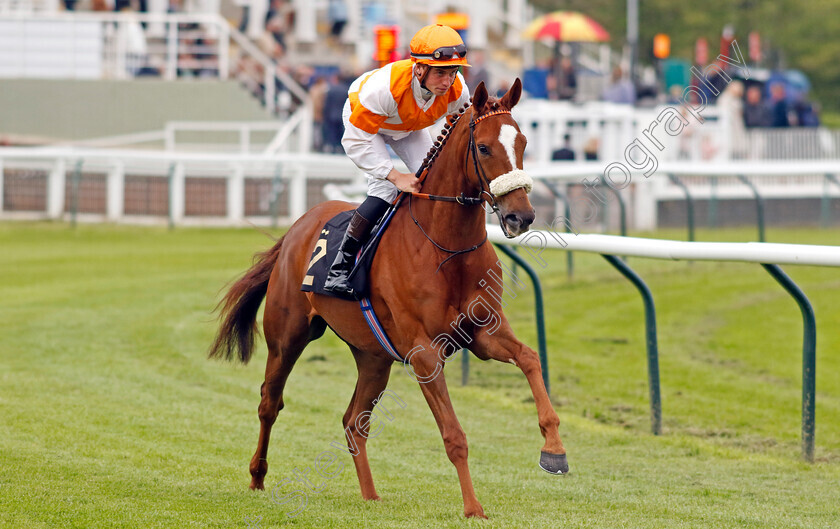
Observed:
{"x":450,"y":224}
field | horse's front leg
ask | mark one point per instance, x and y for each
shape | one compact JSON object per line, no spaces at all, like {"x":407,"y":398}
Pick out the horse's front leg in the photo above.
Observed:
{"x":428,"y":371}
{"x":503,"y":346}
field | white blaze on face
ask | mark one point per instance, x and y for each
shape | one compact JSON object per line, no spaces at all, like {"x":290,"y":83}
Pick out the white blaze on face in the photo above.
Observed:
{"x":515,"y":178}
{"x":507,"y":137}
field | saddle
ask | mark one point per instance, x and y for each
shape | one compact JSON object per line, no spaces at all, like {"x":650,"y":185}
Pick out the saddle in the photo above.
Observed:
{"x":326,"y":249}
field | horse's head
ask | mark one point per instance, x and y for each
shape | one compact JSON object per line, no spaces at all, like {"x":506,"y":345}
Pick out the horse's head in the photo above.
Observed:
{"x":497,"y":148}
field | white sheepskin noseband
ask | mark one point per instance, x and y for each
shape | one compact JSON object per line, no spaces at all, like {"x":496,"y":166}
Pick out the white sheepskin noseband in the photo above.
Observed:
{"x":510,"y":181}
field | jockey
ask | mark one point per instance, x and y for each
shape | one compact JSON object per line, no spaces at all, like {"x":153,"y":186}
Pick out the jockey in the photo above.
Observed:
{"x":393,"y":106}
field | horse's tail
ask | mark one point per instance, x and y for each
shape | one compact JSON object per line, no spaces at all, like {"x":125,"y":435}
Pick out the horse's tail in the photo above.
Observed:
{"x":238,"y":309}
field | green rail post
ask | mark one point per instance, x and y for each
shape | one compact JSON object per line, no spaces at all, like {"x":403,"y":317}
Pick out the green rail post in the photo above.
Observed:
{"x":650,"y":339}
{"x":567,"y":211}
{"x":74,"y":192}
{"x":809,"y":359}
{"x":689,"y":204}
{"x":759,"y":205}
{"x":540,"y":312}
{"x":465,"y":366}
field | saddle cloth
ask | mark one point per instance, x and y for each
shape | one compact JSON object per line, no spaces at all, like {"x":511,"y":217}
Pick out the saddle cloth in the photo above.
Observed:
{"x":326,"y":249}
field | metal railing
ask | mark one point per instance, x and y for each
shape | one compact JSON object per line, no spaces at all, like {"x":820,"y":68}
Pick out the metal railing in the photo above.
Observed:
{"x":130,"y":45}
{"x":770,"y":256}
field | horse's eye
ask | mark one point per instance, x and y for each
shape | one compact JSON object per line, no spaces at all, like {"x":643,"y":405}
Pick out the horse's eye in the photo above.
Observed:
{"x":483,"y":149}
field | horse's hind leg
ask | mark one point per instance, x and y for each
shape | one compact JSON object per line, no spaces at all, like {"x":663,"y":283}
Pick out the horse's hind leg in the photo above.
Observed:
{"x":286,"y":342}
{"x":373,"y":377}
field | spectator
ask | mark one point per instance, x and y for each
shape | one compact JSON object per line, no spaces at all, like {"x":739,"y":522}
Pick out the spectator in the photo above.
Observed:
{"x":716,"y":77}
{"x":564,"y":153}
{"x":333,"y":107}
{"x":318,"y":95}
{"x":337,"y":15}
{"x":566,"y":80}
{"x":478,"y":72}
{"x":278,"y":20}
{"x":621,"y":90}
{"x":590,"y":149}
{"x":756,"y":112}
{"x":731,"y":106}
{"x":779,"y":109}
{"x":806,"y":114}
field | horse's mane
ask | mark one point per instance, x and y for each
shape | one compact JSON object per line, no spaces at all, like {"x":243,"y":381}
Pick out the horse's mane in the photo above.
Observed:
{"x":492,"y":104}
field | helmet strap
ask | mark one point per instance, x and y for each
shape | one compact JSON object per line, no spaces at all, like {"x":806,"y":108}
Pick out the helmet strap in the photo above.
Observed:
{"x":423,"y":77}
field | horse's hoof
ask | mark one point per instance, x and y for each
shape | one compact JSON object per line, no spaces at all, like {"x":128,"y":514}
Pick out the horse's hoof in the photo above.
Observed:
{"x":554,"y":463}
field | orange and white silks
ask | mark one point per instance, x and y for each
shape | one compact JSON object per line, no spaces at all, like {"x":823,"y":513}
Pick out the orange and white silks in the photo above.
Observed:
{"x":386,"y":106}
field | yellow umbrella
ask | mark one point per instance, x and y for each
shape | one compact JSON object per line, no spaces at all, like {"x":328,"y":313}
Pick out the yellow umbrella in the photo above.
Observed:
{"x":566,"y":26}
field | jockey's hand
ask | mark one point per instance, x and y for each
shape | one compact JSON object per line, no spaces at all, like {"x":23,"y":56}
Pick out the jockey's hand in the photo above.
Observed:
{"x":404,"y":181}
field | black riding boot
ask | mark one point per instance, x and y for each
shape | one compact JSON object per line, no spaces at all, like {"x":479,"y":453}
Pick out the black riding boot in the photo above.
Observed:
{"x":356,"y":235}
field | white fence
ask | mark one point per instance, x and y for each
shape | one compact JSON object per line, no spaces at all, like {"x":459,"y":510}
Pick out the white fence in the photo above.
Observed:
{"x":224,"y":189}
{"x":144,"y":187}
{"x":606,"y":129}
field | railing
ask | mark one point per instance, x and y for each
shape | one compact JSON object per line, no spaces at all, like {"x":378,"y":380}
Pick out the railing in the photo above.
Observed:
{"x":713,"y":182}
{"x":770,"y":256}
{"x":179,"y":188}
{"x":243,"y":137}
{"x":611,"y":128}
{"x":129,"y":45}
{"x":33,"y":175}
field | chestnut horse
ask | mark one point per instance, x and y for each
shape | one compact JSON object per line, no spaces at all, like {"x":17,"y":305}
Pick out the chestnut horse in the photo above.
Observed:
{"x":417,"y":297}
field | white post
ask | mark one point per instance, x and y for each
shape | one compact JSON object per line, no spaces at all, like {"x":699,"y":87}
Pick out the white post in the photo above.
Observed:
{"x":478,"y":26}
{"x":645,"y":203}
{"x":224,"y":52}
{"x":121,"y":50}
{"x":297,"y":193}
{"x":55,"y":189}
{"x":305,"y":30}
{"x":176,"y":194}
{"x":236,"y":195}
{"x":256,"y":18}
{"x":270,"y":89}
{"x":169,"y":137}
{"x":514,"y":23}
{"x":305,"y":129}
{"x":172,"y":51}
{"x":157,"y":29}
{"x":352,"y":30}
{"x":115,"y":206}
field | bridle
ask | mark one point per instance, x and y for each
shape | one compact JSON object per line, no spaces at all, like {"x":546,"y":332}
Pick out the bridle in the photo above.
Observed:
{"x":484,"y":195}
{"x":479,"y":169}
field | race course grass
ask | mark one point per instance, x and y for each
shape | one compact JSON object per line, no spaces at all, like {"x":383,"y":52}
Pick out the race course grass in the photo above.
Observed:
{"x":111,"y":416}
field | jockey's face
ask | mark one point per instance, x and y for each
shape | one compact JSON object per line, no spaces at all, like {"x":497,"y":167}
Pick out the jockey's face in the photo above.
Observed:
{"x":440,"y":78}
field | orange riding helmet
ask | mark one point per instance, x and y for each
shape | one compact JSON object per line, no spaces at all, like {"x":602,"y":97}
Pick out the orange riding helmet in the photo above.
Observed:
{"x":438,"y":45}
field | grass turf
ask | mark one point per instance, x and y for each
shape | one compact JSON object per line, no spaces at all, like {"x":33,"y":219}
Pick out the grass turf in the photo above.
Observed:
{"x":110,"y":415}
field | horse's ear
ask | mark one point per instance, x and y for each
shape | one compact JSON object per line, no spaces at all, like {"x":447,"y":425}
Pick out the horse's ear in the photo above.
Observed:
{"x":479,"y":98}
{"x":510,"y":99}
